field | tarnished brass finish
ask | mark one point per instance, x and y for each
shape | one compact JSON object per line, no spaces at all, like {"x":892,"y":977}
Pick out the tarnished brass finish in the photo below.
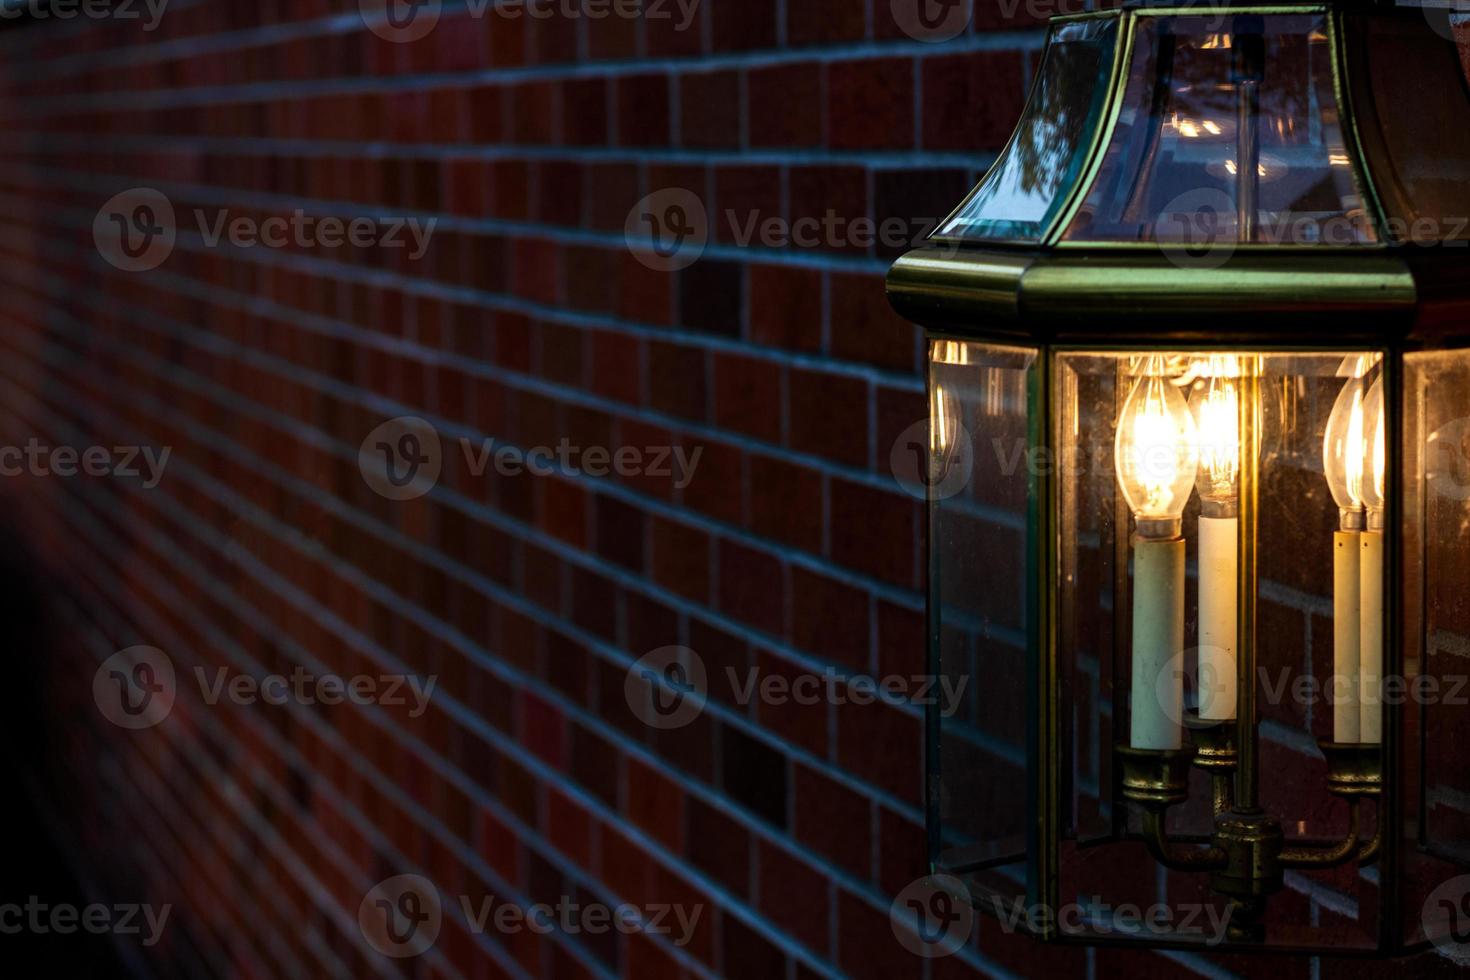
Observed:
{"x":1214,"y":744}
{"x":1215,"y":753}
{"x":1353,"y":769}
{"x":1155,"y":777}
{"x":1252,"y":843}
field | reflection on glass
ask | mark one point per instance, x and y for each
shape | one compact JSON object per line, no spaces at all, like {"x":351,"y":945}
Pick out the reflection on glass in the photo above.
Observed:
{"x":1228,"y":132}
{"x":1016,"y":200}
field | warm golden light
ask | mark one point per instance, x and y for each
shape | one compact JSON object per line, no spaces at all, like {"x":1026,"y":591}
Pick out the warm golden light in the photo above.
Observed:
{"x":1345,"y":445}
{"x":1157,"y":453}
{"x":940,"y":435}
{"x":1375,"y":456}
{"x":1217,"y":416}
{"x":1357,"y":447}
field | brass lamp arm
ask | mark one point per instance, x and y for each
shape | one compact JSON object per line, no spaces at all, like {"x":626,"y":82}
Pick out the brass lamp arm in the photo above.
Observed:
{"x":1173,"y":856}
{"x":1340,"y":853}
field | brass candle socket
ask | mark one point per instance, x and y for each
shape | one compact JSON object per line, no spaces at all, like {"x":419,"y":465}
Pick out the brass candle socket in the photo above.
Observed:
{"x":1155,"y":778}
{"x":1354,"y":769}
{"x":1216,"y":754}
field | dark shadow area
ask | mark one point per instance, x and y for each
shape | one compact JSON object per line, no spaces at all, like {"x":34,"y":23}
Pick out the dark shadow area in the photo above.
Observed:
{"x":37,"y":876}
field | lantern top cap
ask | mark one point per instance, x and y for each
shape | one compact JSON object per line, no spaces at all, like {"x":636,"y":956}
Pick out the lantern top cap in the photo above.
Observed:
{"x":1179,"y":144}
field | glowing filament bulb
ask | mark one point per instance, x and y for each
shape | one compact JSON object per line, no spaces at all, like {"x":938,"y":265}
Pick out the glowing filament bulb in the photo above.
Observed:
{"x":1217,"y":416}
{"x":1375,"y":457}
{"x":1157,"y":452}
{"x":1345,"y":445}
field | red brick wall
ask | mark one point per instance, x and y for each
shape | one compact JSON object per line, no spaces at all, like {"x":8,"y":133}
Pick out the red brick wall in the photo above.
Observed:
{"x":528,"y":597}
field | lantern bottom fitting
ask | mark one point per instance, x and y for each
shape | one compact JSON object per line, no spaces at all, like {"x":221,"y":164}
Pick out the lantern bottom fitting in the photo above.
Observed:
{"x":1252,"y":842}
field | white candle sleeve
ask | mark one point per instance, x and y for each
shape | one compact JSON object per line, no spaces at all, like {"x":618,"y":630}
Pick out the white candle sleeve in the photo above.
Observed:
{"x":1218,"y":585}
{"x":1156,"y":703}
{"x":1346,"y":635}
{"x":1370,"y":728}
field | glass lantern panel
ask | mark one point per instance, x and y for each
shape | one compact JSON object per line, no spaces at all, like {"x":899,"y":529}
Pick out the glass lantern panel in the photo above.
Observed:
{"x":1021,"y":194}
{"x":1146,"y":618}
{"x":1435,"y":695}
{"x":1420,"y":160}
{"x":1205,"y":93}
{"x":982,"y":524}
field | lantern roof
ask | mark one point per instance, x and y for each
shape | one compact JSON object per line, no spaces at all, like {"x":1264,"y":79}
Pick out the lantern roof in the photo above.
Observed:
{"x":1220,"y":173}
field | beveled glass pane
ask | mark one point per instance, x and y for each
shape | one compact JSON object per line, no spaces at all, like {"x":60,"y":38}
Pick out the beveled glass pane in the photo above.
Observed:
{"x":1206,"y":96}
{"x":1020,"y":195}
{"x":1435,"y":899}
{"x":982,"y":536}
{"x":1420,"y":159}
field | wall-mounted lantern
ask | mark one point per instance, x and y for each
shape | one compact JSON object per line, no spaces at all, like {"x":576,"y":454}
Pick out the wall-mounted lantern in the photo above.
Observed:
{"x":1199,"y":375}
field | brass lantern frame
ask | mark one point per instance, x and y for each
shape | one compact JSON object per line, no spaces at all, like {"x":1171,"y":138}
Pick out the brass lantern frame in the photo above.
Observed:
{"x":1057,"y":296}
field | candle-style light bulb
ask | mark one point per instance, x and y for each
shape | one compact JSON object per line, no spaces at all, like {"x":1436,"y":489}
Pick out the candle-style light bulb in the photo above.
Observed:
{"x":1344,"y":462}
{"x":1216,"y":407}
{"x":1156,"y":454}
{"x":1343,"y":451}
{"x":1370,"y":565}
